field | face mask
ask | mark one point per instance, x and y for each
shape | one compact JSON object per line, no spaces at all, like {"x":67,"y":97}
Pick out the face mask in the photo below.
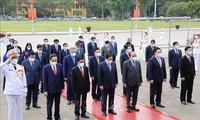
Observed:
{"x":110,"y":61}
{"x":73,"y":54}
{"x":113,"y":40}
{"x":177,"y":46}
{"x":98,"y":54}
{"x":159,"y":55}
{"x":28,"y":48}
{"x":189,"y":53}
{"x":64,"y":48}
{"x":53,"y":63}
{"x":15,"y":45}
{"x":46,"y":43}
{"x":129,"y":50}
{"x":32,"y":59}
{"x":134,"y":58}
{"x":14,"y":61}
{"x":81,"y":64}
{"x":152,"y":45}
{"x":56,"y":44}
{"x":39,"y":52}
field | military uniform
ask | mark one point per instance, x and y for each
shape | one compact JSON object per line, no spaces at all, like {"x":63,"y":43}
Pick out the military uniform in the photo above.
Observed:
{"x":15,"y":88}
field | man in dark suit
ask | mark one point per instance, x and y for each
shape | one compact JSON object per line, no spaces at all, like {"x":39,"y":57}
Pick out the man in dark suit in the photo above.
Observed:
{"x":156,"y":74}
{"x":187,"y":71}
{"x":80,"y":87}
{"x":15,"y":46}
{"x":132,"y":79}
{"x":123,"y":58}
{"x":64,"y":52}
{"x":79,"y":50}
{"x":108,"y":81}
{"x":32,"y":71}
{"x":123,"y":50}
{"x":82,"y":43}
{"x":113,"y":46}
{"x":93,"y":65}
{"x":106,"y":48}
{"x":69,"y":62}
{"x":149,"y":54}
{"x":55,"y":48}
{"x":91,"y":47}
{"x":53,"y":86}
{"x":42,"y":57}
{"x":47,"y":48}
{"x":174,"y":57}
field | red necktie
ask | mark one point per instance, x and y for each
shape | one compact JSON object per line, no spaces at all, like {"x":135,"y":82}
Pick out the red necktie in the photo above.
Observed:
{"x":54,"y":70}
{"x":189,"y":59}
{"x":82,"y":72}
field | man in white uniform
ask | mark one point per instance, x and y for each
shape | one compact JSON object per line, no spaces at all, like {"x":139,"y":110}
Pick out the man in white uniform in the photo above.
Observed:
{"x":15,"y":87}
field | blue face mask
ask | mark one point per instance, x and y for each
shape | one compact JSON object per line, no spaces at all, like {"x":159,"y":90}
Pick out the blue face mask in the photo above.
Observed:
{"x":189,"y":53}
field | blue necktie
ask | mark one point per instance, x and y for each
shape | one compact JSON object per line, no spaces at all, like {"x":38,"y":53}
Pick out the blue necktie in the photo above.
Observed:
{"x":32,"y":65}
{"x":109,"y":66}
{"x":73,"y":58}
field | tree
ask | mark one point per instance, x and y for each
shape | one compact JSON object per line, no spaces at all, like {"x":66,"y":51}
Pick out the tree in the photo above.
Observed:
{"x":177,"y":9}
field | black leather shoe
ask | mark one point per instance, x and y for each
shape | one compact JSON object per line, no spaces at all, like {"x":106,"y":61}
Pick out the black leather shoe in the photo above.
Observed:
{"x":172,"y":87}
{"x":191,"y":102}
{"x":57,"y":118}
{"x":128,"y":110}
{"x":153,"y":106}
{"x":27,"y":107}
{"x":36,"y":106}
{"x":183,"y":102}
{"x":112,"y":112}
{"x":85,"y":116}
{"x":77,"y":117}
{"x":136,"y":109}
{"x":176,"y":87}
{"x":159,"y":105}
{"x":104,"y":113}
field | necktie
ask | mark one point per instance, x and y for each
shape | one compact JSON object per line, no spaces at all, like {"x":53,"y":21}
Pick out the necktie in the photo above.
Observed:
{"x":32,"y":65}
{"x":98,"y":59}
{"x":73,"y":58}
{"x":15,"y":67}
{"x":109,"y":66}
{"x":46,"y":46}
{"x":82,"y":72}
{"x":189,"y":59}
{"x":54,"y":70}
{"x":177,"y":52}
{"x":159,"y":61}
{"x":40,"y":56}
{"x":133,"y":63}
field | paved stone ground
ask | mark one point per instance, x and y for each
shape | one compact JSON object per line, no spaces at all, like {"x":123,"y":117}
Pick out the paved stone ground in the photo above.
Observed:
{"x":170,"y":97}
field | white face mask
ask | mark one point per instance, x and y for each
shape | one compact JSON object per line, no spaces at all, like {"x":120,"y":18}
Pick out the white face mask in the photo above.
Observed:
{"x":53,"y":63}
{"x":129,"y":50}
{"x":134,"y":58}
{"x":46,"y":43}
{"x":73,"y":54}
{"x":81,"y":64}
{"x":14,"y":61}
{"x":39,"y":51}
{"x":15,"y":45}
{"x":110,"y":61}
{"x":28,"y":48}
{"x":65,"y":48}
{"x":177,"y":46}
{"x":98,"y":54}
{"x":159,"y":55}
{"x":31,"y":59}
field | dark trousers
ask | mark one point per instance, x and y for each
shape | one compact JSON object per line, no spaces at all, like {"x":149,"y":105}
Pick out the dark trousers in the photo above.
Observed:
{"x":155,"y":89}
{"x":53,"y":97}
{"x":124,"y":91}
{"x":32,"y":92}
{"x":173,"y":76}
{"x":77,"y":103}
{"x":114,"y":58}
{"x":132,"y":91}
{"x":105,"y":93}
{"x":70,"y":96}
{"x":147,"y":72}
{"x":186,"y":86}
{"x":41,"y":87}
{"x":96,"y":92}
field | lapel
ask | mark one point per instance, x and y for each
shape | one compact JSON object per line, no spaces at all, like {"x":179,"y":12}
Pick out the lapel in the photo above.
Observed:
{"x":188,"y":60}
{"x":29,"y":63}
{"x":131,"y":64}
{"x":106,"y":66}
{"x":158,"y":62}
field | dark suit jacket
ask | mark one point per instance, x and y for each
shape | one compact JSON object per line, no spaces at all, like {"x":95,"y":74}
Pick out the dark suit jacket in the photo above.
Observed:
{"x":82,"y":44}
{"x":47,"y":50}
{"x":80,"y":84}
{"x":8,"y":47}
{"x":155,"y":72}
{"x":187,"y":70}
{"x":68,"y":65}
{"x":148,"y":52}
{"x":32,"y":76}
{"x":43,"y":61}
{"x":132,"y":75}
{"x":80,"y":52}
{"x":62,"y":54}
{"x":123,"y":58}
{"x":105,"y":51}
{"x":91,"y":49}
{"x":105,"y":77}
{"x":53,"y":83}
{"x":132,"y":46}
{"x":53,"y":50}
{"x":174,"y":58}
{"x":114,"y":48}
{"x":93,"y":65}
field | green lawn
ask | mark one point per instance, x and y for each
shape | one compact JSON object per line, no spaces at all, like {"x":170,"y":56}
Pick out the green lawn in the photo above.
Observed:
{"x":25,"y":26}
